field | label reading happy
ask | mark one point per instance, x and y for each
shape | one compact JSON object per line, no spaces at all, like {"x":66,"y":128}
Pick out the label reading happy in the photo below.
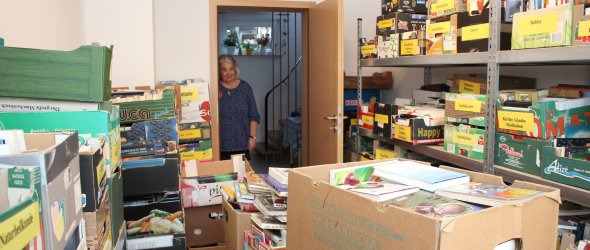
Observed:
{"x":368,"y":49}
{"x":439,"y":28}
{"x":538,"y":24}
{"x":465,"y":139}
{"x":468,"y":105}
{"x":475,"y":32}
{"x":584,"y":28}
{"x":409,"y":47}
{"x":387,"y":23}
{"x":469,"y":87}
{"x":381,"y":118}
{"x":518,"y":121}
{"x":403,"y":133}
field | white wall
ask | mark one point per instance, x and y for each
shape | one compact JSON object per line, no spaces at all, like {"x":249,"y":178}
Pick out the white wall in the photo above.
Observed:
{"x":128,"y":25}
{"x":56,"y":24}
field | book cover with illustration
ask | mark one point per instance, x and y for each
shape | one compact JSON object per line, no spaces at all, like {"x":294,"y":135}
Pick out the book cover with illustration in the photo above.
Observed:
{"x":351,"y":175}
{"x":380,"y":191}
{"x":433,"y":205}
{"x":486,"y":194}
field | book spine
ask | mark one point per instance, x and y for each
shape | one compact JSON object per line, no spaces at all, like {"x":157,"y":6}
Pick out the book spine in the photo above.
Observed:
{"x":138,"y":149}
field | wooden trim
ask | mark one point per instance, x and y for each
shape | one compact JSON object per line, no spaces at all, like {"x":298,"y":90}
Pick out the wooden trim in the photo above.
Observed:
{"x":293,"y":6}
{"x":305,"y":89}
{"x":213,"y":46}
{"x":340,"y":82}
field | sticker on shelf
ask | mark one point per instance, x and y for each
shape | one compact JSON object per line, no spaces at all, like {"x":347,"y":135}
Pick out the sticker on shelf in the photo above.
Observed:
{"x":538,"y":24}
{"x":409,"y":47}
{"x":468,"y":105}
{"x":475,"y":32}
{"x":465,"y":139}
{"x":469,"y":87}
{"x":403,"y":133}
{"x":519,"y":121}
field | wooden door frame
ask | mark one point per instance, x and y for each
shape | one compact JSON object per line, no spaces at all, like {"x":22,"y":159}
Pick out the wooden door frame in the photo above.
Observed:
{"x":259,"y":5}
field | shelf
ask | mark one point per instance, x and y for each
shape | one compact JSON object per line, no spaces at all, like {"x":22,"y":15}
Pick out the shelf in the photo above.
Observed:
{"x":440,"y":61}
{"x":571,"y":55}
{"x":574,"y":194}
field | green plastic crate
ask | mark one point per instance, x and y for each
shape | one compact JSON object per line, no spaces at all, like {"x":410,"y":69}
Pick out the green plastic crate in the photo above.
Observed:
{"x":82,"y":74}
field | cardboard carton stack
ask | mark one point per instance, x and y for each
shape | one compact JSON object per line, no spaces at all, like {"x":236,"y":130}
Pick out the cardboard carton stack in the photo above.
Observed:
{"x":42,"y":101}
{"x":400,"y":28}
{"x":41,"y":199}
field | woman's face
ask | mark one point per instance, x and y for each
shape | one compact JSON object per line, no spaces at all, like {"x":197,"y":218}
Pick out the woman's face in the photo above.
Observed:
{"x":228,"y":72}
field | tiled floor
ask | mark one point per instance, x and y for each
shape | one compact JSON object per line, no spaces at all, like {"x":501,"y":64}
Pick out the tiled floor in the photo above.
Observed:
{"x":260,"y":164}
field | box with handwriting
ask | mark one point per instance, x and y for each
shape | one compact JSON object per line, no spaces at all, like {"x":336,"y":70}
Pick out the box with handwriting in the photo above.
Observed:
{"x":441,"y":36}
{"x":542,"y":28}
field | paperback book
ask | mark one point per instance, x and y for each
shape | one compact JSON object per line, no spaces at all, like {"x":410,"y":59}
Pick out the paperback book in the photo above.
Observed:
{"x":433,"y":205}
{"x":420,"y":175}
{"x":256,"y":184}
{"x":280,"y":189}
{"x":266,"y":205}
{"x":487,"y":194}
{"x":380,"y":191}
{"x":279,"y":174}
{"x":267,"y":222}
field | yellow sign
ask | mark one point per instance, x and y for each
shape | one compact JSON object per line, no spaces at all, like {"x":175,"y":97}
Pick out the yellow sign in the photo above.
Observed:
{"x":468,"y":105}
{"x":519,"y":121}
{"x":198,"y":155}
{"x":354,"y":122}
{"x":538,"y":24}
{"x":584,"y":28}
{"x":189,"y":133}
{"x":403,"y":133}
{"x":100,"y":170}
{"x":442,"y":6}
{"x":469,"y":87}
{"x":189,"y":94}
{"x":439,"y":28}
{"x":465,"y":139}
{"x":387,"y":23}
{"x":475,"y":32}
{"x":368,"y":49}
{"x":382,"y":154}
{"x":19,"y":229}
{"x":409,"y":47}
{"x":367,"y":119}
{"x":381,"y":118}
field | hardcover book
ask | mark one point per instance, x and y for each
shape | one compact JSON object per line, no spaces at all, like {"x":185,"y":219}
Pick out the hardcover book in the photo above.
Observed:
{"x":486,"y":194}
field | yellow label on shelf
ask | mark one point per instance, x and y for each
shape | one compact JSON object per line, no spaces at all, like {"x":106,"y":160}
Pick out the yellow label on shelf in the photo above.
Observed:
{"x":189,"y":133}
{"x":198,"y":155}
{"x":381,"y":118}
{"x":367,"y":119}
{"x":538,"y":24}
{"x":368,"y":49}
{"x":382,"y":154}
{"x":20,"y":228}
{"x":469,"y":87}
{"x":387,"y":23}
{"x":438,"y":28}
{"x":442,"y":6}
{"x":475,"y":32}
{"x":465,"y":139}
{"x":403,"y":133}
{"x":354,"y":122}
{"x":584,"y":28}
{"x":409,"y":47}
{"x":189,"y":94}
{"x":468,"y":105}
{"x":519,"y":121}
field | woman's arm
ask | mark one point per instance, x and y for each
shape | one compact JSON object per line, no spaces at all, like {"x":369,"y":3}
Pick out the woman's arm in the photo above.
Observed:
{"x":252,"y":140}
{"x":254,"y":120}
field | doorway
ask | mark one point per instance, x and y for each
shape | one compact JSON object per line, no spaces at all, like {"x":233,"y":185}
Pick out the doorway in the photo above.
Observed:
{"x":321,"y":72}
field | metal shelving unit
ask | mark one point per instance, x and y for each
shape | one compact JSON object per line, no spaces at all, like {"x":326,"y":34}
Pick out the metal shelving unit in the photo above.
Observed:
{"x":493,"y":60}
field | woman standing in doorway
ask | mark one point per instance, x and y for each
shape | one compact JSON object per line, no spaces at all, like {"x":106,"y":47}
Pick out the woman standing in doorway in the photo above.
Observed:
{"x":238,"y":114}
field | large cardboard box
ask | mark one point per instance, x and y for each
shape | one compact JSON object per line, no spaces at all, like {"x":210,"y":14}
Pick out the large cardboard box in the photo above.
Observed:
{"x":444,"y":8}
{"x":541,"y":28}
{"x":546,"y":119}
{"x":477,"y":84}
{"x":331,"y":218}
{"x":98,"y":226}
{"x":162,"y":105}
{"x":93,"y":178}
{"x":520,"y":153}
{"x":418,"y":131}
{"x":383,"y":119}
{"x":82,"y":74}
{"x":150,"y":176}
{"x":474,"y":32}
{"x":563,"y":170}
{"x":234,"y":225}
{"x":412,"y":43}
{"x":10,"y":104}
{"x":56,"y":154}
{"x":202,"y":151}
{"x":466,"y":108}
{"x":465,"y":140}
{"x":441,"y":35}
{"x":204,"y":225}
{"x":580,"y":26}
{"x":408,"y":6}
{"x":104,"y":125}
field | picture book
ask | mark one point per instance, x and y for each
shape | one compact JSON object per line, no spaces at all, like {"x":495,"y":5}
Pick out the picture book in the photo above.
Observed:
{"x":255,"y":183}
{"x":433,"y":205}
{"x":267,"y":222}
{"x":487,"y":194}
{"x":380,"y":191}
{"x":351,"y":175}
{"x":279,"y":174}
{"x":420,"y":175}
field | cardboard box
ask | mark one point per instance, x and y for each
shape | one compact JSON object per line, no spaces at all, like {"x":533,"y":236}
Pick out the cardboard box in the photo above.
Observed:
{"x":416,"y":131}
{"x":477,"y":84}
{"x":234,"y":225}
{"x":580,"y":26}
{"x":410,"y":6}
{"x":160,"y":242}
{"x":115,"y":189}
{"x":363,"y":223}
{"x":204,"y":226}
{"x":82,"y":74}
{"x":445,"y":8}
{"x":25,"y":216}
{"x":194,"y":132}
{"x":10,"y":104}
{"x":202,"y":151}
{"x":369,"y":50}
{"x":388,"y":46}
{"x":466,"y":108}
{"x":163,"y":105}
{"x":412,"y":43}
{"x":563,"y":170}
{"x":351,"y":98}
{"x":153,"y":176}
{"x":194,"y":103}
{"x":56,"y":154}
{"x":383,"y":119}
{"x":98,"y":226}
{"x":465,"y":140}
{"x":546,"y":119}
{"x":542,"y":28}
{"x":530,"y":95}
{"x":441,"y":35}
{"x":520,"y":153}
{"x":473,"y":32}
{"x":93,"y":178}
{"x":104,"y":125}
{"x":399,"y":22}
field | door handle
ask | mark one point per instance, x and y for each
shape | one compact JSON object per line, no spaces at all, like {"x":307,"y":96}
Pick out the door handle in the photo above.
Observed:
{"x":331,"y":118}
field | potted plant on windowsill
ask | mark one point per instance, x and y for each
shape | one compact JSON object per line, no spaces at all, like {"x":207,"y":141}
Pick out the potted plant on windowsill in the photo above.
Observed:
{"x":263,"y":42}
{"x":230,"y":42}
{"x":249,"y":48}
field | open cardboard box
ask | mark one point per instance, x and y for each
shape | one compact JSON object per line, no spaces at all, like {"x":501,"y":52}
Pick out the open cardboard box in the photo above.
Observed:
{"x":234,"y":225}
{"x":323,"y":216}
